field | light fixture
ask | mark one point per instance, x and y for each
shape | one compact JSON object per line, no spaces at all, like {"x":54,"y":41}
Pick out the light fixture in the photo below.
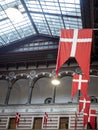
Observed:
{"x":55,"y":81}
{"x":14,"y":14}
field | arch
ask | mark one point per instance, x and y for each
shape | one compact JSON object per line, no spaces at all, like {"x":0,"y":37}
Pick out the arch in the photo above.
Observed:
{"x":61,"y":75}
{"x":65,"y":73}
{"x":40,"y":75}
{"x":43,"y":76}
{"x":20,"y":76}
{"x":20,"y":90}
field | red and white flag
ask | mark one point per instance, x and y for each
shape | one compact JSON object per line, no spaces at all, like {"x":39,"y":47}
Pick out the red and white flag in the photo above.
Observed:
{"x":91,"y":117}
{"x":77,"y":44}
{"x":79,"y":82}
{"x":17,"y":118}
{"x":84,"y":103}
{"x":45,"y":118}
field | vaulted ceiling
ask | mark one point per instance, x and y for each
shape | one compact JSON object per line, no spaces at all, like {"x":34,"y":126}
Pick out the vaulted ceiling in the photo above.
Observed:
{"x":33,"y":39}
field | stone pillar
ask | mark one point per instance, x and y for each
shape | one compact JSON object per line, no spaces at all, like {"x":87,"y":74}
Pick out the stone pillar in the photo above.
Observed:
{"x":30,"y":92}
{"x":8,"y":93}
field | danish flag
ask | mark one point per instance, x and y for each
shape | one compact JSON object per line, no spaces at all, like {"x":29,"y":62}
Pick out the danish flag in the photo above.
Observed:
{"x":17,"y":118}
{"x":90,"y":117}
{"x":84,"y":103}
{"x":45,"y":118}
{"x":79,"y":82}
{"x":77,"y":44}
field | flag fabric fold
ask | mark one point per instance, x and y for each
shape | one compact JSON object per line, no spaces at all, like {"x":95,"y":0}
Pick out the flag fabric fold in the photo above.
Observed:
{"x":79,"y":82}
{"x":93,"y":118}
{"x":85,"y":120}
{"x":84,"y":50}
{"x":84,"y":103}
{"x":90,"y":117}
{"x":77,"y":44}
{"x":64,"y":48}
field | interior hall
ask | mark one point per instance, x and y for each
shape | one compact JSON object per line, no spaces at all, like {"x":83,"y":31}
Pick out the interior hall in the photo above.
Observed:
{"x":48,"y":64}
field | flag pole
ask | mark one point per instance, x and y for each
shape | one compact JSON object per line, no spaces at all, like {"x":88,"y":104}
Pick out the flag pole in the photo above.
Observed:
{"x":75,"y":121}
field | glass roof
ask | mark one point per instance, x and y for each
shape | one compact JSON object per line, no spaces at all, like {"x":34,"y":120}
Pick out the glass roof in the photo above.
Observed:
{"x":38,"y":17}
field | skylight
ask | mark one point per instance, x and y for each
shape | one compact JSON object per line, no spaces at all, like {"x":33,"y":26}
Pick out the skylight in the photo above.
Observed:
{"x":38,"y":17}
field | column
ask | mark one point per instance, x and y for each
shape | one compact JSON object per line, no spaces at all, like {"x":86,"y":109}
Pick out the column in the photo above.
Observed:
{"x":8,"y":93}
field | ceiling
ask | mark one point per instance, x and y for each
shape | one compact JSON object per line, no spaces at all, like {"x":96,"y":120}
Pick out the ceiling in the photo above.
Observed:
{"x":33,"y":39}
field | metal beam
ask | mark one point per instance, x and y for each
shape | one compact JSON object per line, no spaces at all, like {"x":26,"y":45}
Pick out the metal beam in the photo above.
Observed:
{"x":61,"y":14}
{"x":45,"y":18}
{"x":53,"y":14}
{"x":30,"y":17}
{"x":27,"y":40}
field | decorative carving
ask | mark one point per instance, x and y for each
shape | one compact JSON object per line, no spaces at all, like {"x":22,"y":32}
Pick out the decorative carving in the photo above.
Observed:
{"x":53,"y":73}
{"x":11,"y":74}
{"x":32,"y":73}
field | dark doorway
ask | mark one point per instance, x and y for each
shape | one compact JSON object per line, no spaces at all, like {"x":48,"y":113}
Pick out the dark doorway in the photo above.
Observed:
{"x":64,"y":121}
{"x":37,"y":123}
{"x":12,"y":124}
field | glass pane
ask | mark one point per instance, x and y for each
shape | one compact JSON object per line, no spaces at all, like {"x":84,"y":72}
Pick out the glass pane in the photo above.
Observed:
{"x":42,"y":16}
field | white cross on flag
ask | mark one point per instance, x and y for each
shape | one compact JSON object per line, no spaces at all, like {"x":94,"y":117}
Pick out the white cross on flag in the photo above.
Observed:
{"x":17,"y":118}
{"x":45,"y":118}
{"x":84,"y":103}
{"x":77,"y":44}
{"x":79,"y":82}
{"x":91,"y":117}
